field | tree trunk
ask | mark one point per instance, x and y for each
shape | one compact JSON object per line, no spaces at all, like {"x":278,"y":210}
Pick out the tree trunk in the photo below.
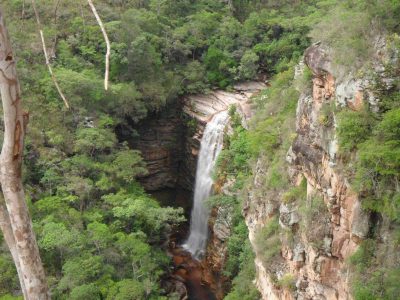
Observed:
{"x":103,"y":30}
{"x":15,"y":121}
{"x":5,"y":226}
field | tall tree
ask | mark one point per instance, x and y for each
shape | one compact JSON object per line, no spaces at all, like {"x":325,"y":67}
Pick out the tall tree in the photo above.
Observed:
{"x":16,"y":222}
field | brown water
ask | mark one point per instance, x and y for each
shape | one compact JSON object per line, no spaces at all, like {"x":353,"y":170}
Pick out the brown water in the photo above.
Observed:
{"x":191,"y":271}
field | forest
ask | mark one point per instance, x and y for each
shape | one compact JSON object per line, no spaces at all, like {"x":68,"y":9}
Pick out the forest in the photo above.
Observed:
{"x":100,"y":233}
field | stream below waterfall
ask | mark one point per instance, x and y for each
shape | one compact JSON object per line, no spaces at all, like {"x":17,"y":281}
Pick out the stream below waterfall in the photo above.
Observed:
{"x":186,"y":269}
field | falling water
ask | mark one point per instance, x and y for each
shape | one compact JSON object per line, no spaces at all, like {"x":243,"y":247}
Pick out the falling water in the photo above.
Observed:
{"x":211,"y":146}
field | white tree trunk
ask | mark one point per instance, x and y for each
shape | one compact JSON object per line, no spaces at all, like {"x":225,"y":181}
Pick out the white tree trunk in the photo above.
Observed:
{"x":15,"y":121}
{"x":5,"y":226}
{"x":103,"y":30}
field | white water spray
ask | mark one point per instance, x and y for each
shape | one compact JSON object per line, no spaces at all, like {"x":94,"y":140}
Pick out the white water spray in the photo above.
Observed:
{"x":211,"y":146}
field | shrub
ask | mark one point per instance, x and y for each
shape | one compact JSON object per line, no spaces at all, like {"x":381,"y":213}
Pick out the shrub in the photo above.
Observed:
{"x":315,"y":223}
{"x":378,"y":167}
{"x":248,"y":65}
{"x":326,"y":114}
{"x":267,"y":241}
{"x":296,"y":193}
{"x":344,"y":30}
{"x":373,"y":279}
{"x":9,"y":277}
{"x":236,"y":119}
{"x":86,"y":291}
{"x":243,"y":286}
{"x":303,"y":82}
{"x":354,"y":127}
{"x":288,"y":281}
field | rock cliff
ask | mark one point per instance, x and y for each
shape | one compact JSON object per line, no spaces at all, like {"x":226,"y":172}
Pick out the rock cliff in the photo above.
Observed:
{"x":161,"y":142}
{"x":312,"y":260}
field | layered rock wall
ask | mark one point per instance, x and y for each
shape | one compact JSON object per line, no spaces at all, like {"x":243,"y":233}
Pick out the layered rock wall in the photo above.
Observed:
{"x":170,"y":140}
{"x":314,"y":257}
{"x":161,"y":142}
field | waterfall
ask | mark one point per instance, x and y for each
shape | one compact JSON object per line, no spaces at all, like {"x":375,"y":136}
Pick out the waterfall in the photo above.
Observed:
{"x":211,"y":146}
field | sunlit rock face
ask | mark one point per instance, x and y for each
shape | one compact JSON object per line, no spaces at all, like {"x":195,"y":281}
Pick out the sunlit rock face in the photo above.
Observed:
{"x":319,"y":273}
{"x":313,"y":154}
{"x":202,"y":107}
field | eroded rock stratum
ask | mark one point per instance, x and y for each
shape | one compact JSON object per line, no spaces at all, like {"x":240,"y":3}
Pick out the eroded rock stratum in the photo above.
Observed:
{"x":315,"y":258}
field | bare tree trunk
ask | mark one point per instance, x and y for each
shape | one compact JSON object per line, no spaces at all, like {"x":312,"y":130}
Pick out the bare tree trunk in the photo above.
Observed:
{"x":46,"y":56}
{"x":103,"y":30}
{"x":231,"y":6}
{"x":15,"y":121}
{"x":53,"y":48}
{"x":5,"y":226}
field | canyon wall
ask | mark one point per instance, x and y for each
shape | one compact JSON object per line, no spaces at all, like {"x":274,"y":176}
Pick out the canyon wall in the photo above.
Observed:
{"x":313,"y":255}
{"x":161,"y":142}
{"x":170,"y":144}
{"x":312,"y":261}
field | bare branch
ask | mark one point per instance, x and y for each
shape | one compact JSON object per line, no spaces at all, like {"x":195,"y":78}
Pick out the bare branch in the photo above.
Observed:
{"x":103,"y":30}
{"x":53,"y":77}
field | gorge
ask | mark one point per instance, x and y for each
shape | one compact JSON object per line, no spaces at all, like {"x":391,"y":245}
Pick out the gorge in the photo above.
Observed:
{"x":224,"y":150}
{"x":181,"y":154}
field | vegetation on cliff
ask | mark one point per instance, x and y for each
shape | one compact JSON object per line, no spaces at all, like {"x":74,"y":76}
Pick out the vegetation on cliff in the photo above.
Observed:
{"x":368,"y":145}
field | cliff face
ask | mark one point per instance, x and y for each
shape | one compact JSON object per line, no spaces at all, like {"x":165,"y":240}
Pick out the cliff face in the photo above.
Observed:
{"x":203,"y":107}
{"x":161,"y":142}
{"x":322,"y":273}
{"x":313,"y":258}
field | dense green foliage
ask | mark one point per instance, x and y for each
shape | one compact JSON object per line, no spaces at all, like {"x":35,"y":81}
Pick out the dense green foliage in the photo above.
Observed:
{"x":369,"y":141}
{"x":372,"y":282}
{"x":268,"y":244}
{"x":351,"y":30}
{"x":374,"y":137}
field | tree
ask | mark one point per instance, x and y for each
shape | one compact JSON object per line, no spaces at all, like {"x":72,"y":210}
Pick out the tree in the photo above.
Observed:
{"x":16,"y":222}
{"x":248,"y":65}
